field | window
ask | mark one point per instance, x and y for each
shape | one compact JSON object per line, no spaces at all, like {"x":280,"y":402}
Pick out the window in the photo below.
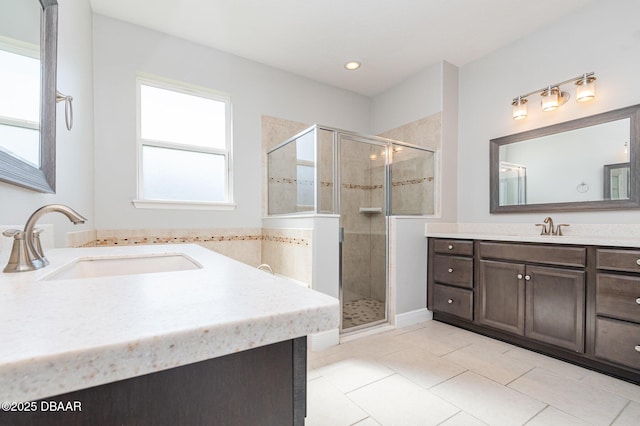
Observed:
{"x":184,"y":146}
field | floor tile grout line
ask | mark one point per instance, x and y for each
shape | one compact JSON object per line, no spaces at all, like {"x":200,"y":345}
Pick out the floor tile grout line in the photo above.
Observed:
{"x":621,"y":411}
{"x":450,"y":417}
{"x":523,"y":374}
{"x":370,"y":383}
{"x":537,"y":414}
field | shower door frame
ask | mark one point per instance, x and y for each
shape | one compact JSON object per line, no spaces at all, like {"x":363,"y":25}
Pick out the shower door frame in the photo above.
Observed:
{"x":385,"y":144}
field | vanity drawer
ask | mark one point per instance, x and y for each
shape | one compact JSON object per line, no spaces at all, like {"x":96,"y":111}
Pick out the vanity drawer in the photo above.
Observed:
{"x":454,"y":301}
{"x":618,"y":341}
{"x":618,"y":296}
{"x":618,"y":260}
{"x":459,"y":247}
{"x":550,"y":254}
{"x":453,"y":270}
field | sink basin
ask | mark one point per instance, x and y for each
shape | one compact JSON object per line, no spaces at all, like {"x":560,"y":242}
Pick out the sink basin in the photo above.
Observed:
{"x":94,"y":267}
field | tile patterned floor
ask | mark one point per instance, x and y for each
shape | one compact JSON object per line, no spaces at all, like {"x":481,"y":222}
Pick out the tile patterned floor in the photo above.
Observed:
{"x":362,"y":311}
{"x":436,"y":374}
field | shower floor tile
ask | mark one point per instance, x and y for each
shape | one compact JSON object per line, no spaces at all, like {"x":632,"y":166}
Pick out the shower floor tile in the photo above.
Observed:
{"x":362,"y":311}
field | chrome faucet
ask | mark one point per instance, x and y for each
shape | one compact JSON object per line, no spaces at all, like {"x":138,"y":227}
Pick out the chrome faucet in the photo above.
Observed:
{"x":27,"y":253}
{"x":551,"y":230}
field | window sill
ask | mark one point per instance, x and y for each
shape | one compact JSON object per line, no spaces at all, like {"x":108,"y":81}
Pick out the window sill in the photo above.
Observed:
{"x":182,"y":205}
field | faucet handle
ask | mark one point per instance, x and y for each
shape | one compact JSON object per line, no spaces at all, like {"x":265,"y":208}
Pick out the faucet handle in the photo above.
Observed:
{"x":543,"y":231}
{"x":559,"y":228}
{"x":37,"y":244}
{"x":15,"y":233}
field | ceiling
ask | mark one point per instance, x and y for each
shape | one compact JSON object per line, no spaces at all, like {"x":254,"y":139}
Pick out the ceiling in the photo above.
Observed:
{"x":394,"y":39}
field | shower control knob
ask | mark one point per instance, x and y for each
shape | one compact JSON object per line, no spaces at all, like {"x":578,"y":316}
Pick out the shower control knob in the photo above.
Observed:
{"x":450,"y":301}
{"x":451,"y":248}
{"x":450,"y":270}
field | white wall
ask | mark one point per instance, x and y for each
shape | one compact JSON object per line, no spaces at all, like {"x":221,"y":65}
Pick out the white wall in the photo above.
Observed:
{"x":121,"y":50}
{"x":604,"y":38}
{"x":416,"y":97}
{"x":75,"y":148}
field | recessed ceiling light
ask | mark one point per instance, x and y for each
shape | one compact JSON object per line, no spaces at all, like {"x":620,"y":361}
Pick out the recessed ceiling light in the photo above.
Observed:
{"x":352,"y":65}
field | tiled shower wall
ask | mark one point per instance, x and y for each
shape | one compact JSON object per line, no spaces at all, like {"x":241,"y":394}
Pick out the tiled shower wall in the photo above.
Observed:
{"x":414,"y":183}
{"x":364,"y":248}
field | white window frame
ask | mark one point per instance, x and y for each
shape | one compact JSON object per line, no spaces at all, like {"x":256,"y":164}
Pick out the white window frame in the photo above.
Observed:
{"x":162,"y":83}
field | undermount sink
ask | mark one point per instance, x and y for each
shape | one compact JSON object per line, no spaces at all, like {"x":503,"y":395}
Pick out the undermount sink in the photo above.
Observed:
{"x":94,"y":267}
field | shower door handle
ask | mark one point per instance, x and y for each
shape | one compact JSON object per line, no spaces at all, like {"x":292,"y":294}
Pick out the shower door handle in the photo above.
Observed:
{"x":341,"y":235}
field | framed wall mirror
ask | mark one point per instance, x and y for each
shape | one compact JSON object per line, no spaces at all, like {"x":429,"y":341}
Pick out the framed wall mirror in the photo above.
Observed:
{"x":592,"y":163}
{"x":28,"y":50}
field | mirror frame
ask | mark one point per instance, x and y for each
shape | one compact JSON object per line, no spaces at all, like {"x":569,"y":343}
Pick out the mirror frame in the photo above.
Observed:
{"x":21,"y":173}
{"x":632,"y":112}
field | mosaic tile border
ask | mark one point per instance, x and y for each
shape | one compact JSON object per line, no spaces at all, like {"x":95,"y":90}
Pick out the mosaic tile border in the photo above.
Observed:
{"x":182,"y":239}
{"x":412,"y":181}
{"x":291,"y":181}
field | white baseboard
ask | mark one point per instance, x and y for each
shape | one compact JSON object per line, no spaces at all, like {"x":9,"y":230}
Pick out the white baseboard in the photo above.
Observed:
{"x":323,"y":340}
{"x":414,"y":317}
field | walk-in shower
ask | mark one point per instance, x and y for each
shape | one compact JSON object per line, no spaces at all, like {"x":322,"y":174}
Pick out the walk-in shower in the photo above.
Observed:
{"x":363,"y":179}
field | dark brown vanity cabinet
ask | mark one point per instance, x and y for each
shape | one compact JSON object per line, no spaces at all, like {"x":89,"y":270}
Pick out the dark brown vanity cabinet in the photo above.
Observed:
{"x":453,"y":278}
{"x":545,"y":302}
{"x":617,"y":326}
{"x":579,"y":303}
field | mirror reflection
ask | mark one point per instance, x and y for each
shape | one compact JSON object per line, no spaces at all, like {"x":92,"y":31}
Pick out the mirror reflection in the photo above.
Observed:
{"x":567,"y":166}
{"x":591,"y":163}
{"x":20,"y":80}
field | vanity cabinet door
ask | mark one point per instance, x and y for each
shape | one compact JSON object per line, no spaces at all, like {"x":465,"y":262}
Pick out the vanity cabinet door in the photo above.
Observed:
{"x":555,"y":310}
{"x":501,"y":293}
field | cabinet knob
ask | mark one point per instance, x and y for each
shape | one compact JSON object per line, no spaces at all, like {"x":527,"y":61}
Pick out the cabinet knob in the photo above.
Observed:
{"x":451,"y":248}
{"x":451,"y":270}
{"x":638,"y":300}
{"x":637,"y":348}
{"x":519,"y":276}
{"x":527,"y":277}
{"x":450,"y":301}
{"x":638,"y":262}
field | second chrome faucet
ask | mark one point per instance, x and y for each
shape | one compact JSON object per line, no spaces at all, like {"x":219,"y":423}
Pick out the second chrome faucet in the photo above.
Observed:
{"x":548,"y":227}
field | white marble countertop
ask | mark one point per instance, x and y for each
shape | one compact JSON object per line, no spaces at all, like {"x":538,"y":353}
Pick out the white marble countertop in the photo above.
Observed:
{"x":63,"y":335}
{"x":615,"y":235}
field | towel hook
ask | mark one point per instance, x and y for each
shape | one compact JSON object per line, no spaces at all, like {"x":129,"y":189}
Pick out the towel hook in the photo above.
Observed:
{"x":68,"y":108}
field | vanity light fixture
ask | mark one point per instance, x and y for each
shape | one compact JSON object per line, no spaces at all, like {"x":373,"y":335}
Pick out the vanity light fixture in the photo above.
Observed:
{"x":586,"y":89}
{"x":553,"y":96}
{"x":352,"y":65}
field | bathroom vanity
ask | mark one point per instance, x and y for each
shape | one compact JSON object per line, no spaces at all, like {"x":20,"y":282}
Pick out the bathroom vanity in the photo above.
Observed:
{"x":572,"y":298}
{"x":218,"y":342}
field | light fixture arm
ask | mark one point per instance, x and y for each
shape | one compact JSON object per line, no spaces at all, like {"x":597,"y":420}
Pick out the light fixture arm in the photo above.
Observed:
{"x":571,"y":80}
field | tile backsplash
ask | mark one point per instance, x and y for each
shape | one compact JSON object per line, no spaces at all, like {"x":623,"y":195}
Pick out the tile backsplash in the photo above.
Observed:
{"x":287,"y":251}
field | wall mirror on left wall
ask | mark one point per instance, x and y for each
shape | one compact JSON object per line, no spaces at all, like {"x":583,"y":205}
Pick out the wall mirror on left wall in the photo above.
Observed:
{"x":28,"y":44}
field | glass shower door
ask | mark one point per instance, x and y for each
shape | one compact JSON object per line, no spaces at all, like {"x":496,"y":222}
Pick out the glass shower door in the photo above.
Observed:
{"x":363,"y":232}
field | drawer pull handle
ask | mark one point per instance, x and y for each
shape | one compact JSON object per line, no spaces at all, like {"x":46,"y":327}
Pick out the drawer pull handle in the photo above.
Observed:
{"x":519,"y":276}
{"x":451,"y":248}
{"x":638,"y":262}
{"x":451,"y":270}
{"x":527,"y":277}
{"x":637,"y":348}
{"x":450,"y":301}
